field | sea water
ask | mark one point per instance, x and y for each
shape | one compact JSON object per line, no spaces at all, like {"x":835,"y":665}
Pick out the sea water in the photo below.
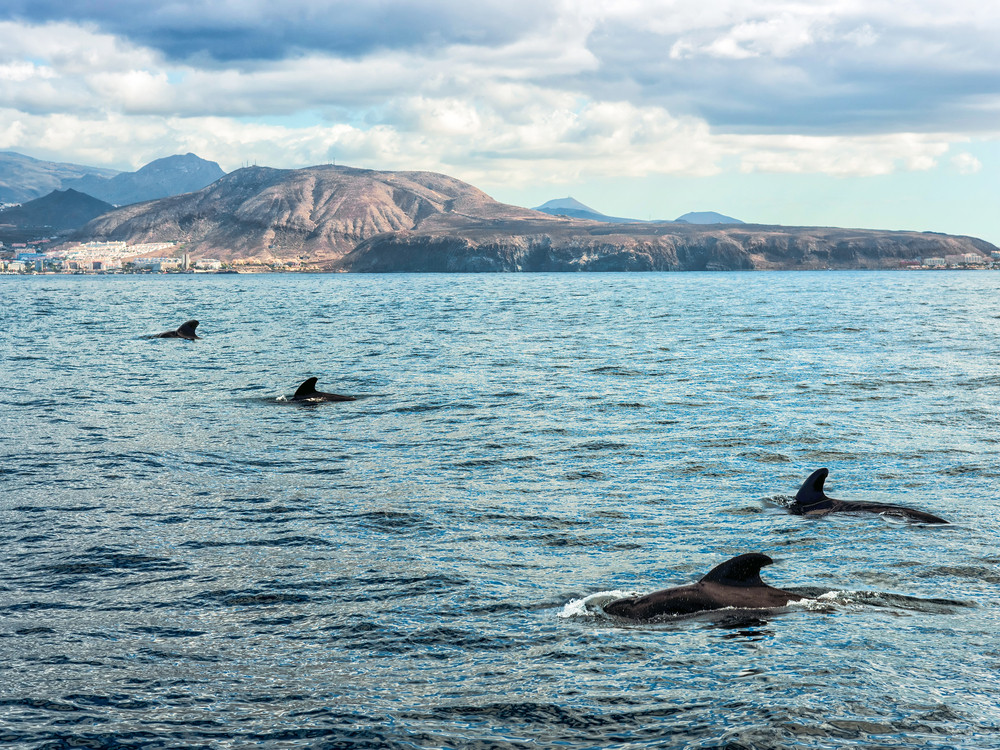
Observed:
{"x":190,"y":559}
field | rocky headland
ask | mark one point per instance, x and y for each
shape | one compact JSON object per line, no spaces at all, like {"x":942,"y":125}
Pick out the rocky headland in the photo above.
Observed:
{"x":529,"y":246}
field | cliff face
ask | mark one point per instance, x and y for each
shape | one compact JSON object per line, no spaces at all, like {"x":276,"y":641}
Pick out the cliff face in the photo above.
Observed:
{"x":576,"y":246}
{"x":410,"y":252}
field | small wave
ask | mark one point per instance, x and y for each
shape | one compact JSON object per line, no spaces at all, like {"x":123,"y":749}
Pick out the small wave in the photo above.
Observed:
{"x":766,"y":458}
{"x":592,"y":605}
{"x":38,"y":606}
{"x":600,"y":445}
{"x":965,"y":469}
{"x":230,"y":598}
{"x":828,"y":456}
{"x":577,"y":475}
{"x":108,"y":562}
{"x":166,"y":632}
{"x":894,"y":601}
{"x":972,"y":572}
{"x":289,"y":541}
{"x":616,"y":370}
{"x":478,"y":462}
{"x":778,"y":501}
{"x":419,"y":408}
{"x":391,"y":521}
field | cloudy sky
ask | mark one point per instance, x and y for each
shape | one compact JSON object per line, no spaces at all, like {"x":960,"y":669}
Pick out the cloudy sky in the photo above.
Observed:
{"x":867,"y":113}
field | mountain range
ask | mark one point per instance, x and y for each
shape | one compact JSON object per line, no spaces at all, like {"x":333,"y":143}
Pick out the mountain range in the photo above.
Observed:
{"x":572,"y":208}
{"x":59,"y":211}
{"x":23,"y":178}
{"x":162,"y":178}
{"x":348,"y":219}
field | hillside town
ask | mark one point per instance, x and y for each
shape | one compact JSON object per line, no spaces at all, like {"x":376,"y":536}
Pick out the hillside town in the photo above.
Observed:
{"x":102,"y":258}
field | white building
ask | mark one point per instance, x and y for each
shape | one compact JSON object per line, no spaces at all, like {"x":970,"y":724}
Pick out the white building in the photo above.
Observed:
{"x":156,"y":264}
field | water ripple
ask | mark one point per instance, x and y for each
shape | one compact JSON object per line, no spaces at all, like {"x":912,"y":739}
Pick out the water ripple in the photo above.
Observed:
{"x":191,"y":563}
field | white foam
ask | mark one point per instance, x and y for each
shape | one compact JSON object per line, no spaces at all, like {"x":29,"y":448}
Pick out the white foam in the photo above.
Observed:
{"x":591,"y":606}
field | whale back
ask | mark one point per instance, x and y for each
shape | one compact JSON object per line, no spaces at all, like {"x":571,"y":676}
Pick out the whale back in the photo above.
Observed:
{"x":307,"y":389}
{"x":810,"y":499}
{"x":811,"y":492}
{"x":186,"y":330}
{"x":734,"y":583}
{"x":743,"y":571}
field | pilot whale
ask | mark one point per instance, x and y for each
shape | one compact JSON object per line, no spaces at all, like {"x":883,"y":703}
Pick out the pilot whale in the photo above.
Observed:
{"x":810,"y":500}
{"x":185,"y":331}
{"x":734,"y":583}
{"x":307,"y":392}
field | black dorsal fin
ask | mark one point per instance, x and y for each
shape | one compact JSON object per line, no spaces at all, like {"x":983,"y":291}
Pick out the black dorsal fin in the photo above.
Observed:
{"x":307,"y":389}
{"x":811,"y":491}
{"x":740,"y":571}
{"x":187,"y":329}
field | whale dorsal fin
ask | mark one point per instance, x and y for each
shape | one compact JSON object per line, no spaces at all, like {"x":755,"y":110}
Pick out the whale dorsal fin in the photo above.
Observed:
{"x":740,"y":571}
{"x":308,"y":388}
{"x":187,"y":329}
{"x":811,"y":491}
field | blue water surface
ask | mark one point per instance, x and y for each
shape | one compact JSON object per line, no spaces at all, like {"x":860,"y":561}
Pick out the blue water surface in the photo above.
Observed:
{"x":190,"y":559}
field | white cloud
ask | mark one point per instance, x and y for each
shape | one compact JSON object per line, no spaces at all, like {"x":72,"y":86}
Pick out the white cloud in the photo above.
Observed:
{"x":841,"y":156}
{"x":132,"y":91}
{"x":21,"y":71}
{"x":966,"y":163}
{"x":634,"y":88}
{"x":552,"y":144}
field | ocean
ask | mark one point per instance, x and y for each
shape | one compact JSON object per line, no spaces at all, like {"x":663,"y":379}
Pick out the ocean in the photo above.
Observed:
{"x":191,"y":559}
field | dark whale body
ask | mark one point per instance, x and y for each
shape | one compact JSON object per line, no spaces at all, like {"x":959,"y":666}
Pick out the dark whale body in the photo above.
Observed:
{"x":307,"y":392}
{"x":185,"y":331}
{"x":734,"y":583}
{"x":810,"y":500}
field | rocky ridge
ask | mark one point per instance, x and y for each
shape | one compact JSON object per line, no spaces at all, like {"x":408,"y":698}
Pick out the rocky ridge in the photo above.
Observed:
{"x":171,"y":175}
{"x":23,"y":178}
{"x":59,"y":211}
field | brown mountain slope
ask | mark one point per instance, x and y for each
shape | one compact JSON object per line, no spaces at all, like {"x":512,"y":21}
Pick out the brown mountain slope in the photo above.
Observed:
{"x":320,"y":213}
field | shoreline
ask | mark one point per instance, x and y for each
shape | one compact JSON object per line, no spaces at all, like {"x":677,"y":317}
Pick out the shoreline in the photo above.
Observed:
{"x":267,"y":271}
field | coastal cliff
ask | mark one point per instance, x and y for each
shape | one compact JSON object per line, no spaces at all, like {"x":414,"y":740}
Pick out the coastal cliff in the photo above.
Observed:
{"x":666,"y":247}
